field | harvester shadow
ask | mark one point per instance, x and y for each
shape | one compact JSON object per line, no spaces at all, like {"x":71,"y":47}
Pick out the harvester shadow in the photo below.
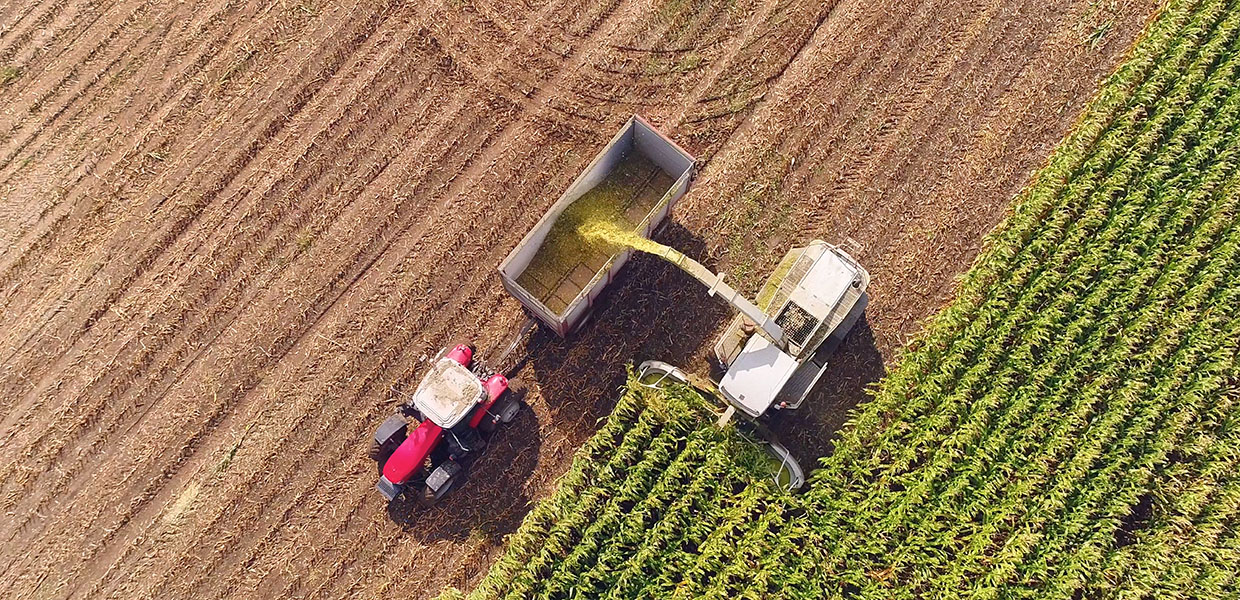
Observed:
{"x":492,"y":500}
{"x":654,"y":311}
{"x":809,"y":432}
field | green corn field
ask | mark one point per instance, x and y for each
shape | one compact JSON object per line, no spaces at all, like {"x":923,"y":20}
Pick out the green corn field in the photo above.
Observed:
{"x":658,"y":495}
{"x":1066,"y":428}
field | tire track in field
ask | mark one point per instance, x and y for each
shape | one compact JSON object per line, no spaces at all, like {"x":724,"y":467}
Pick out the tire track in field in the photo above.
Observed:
{"x":20,"y":36}
{"x":639,"y":86}
{"x":238,"y":163}
{"x":67,"y":72}
{"x":910,"y":33}
{"x":125,"y":59}
{"x":893,"y":131}
{"x":214,"y":41}
{"x":939,"y":124}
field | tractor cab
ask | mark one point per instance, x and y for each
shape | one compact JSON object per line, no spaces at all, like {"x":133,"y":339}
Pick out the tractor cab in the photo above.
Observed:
{"x":448,"y":392}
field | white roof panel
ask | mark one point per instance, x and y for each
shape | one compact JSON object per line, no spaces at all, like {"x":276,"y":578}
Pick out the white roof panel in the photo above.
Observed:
{"x":826,"y":283}
{"x":447,"y":393}
{"x":757,"y":375}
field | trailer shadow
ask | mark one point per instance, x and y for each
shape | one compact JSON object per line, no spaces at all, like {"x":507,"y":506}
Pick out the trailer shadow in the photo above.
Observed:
{"x":492,"y":500}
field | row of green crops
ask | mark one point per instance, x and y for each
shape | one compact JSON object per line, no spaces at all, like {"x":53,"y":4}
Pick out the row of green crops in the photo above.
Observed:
{"x":658,"y":503}
{"x":1069,"y":422}
{"x":1066,"y":428}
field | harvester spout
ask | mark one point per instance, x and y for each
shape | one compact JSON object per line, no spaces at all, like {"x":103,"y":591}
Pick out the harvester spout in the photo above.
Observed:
{"x":715,"y":286}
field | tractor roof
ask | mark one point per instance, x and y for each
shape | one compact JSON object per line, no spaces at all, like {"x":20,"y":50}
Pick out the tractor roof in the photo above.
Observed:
{"x":757,"y":375}
{"x":447,"y":393}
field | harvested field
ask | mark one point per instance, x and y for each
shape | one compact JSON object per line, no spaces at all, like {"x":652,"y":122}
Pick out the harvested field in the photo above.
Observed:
{"x":229,"y":228}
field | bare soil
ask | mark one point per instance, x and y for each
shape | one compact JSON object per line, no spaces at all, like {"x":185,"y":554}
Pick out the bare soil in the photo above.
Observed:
{"x":229,"y":229}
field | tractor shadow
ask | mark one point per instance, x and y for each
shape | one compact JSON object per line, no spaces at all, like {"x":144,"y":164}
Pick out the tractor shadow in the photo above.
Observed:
{"x":492,"y":499}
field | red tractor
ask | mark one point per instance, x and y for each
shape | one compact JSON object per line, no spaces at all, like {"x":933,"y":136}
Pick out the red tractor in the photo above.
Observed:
{"x":424,"y":449}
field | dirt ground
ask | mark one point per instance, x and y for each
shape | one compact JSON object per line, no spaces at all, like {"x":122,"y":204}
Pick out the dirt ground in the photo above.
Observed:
{"x":231,"y":229}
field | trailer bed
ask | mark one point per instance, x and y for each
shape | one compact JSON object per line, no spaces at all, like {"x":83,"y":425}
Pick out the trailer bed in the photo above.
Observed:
{"x":632,"y":183}
{"x":566,"y":262}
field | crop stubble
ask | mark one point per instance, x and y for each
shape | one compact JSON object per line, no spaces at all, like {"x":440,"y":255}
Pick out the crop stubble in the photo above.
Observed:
{"x":229,"y":227}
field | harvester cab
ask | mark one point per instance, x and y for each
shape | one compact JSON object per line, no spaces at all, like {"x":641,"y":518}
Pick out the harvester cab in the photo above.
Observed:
{"x":774,"y":351}
{"x":815,"y":296}
{"x":424,"y":449}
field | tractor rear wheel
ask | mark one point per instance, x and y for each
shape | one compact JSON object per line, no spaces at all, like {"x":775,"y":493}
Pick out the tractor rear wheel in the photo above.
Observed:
{"x":427,"y":498}
{"x":505,"y":409}
{"x":446,"y":477}
{"x":509,"y":405}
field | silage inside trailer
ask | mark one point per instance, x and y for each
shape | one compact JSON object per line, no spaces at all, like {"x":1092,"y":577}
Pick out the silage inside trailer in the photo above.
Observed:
{"x":567,"y":262}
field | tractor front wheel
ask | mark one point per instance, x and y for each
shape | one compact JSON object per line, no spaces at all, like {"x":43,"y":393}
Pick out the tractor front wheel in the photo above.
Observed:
{"x":387,"y":438}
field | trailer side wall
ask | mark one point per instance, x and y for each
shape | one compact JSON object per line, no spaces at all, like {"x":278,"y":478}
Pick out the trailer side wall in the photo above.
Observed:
{"x":637,"y":136}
